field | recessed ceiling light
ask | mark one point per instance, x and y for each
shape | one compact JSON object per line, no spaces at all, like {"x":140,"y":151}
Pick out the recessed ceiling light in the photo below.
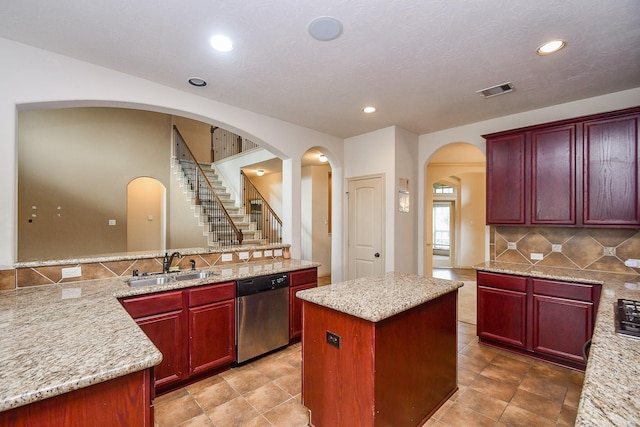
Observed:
{"x":550,"y":47}
{"x":221,"y":43}
{"x":369,"y":110}
{"x":325,"y":28}
{"x":197,"y":81}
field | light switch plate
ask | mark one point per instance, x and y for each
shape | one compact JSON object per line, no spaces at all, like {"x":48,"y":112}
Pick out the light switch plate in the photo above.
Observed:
{"x":536,"y":256}
{"x":243,"y":255}
{"x":227,"y":257}
{"x":268,"y":252}
{"x":257,"y":254}
{"x":277,"y":252}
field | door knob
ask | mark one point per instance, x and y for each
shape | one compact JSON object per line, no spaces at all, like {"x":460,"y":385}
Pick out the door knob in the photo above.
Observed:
{"x":377,"y":255}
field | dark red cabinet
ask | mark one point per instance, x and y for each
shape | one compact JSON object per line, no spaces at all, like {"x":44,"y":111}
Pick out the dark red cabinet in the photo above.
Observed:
{"x":161,"y":316}
{"x":578,"y":172}
{"x":194,"y":329}
{"x":299,"y":281}
{"x":548,"y":319}
{"x":611,"y":177}
{"x":506,"y":179}
{"x":211,"y":327}
{"x":502,"y":309}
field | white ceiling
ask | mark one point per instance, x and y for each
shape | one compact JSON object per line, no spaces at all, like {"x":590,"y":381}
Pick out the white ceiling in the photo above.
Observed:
{"x":418,"y":61}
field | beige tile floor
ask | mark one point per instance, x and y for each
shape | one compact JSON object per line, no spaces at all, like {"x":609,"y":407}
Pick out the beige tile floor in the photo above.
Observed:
{"x":496,"y":388}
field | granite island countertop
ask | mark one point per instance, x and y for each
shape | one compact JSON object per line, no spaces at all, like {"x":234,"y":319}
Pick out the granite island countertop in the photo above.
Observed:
{"x":611,"y":390}
{"x":379,"y":297}
{"x":59,"y":338}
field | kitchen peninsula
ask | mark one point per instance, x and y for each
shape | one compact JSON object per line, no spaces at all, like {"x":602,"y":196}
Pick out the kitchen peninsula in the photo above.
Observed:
{"x":71,"y":349}
{"x":379,"y":351}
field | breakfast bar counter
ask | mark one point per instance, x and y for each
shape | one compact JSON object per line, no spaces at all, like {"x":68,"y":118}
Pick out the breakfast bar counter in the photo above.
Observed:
{"x":379,"y":351}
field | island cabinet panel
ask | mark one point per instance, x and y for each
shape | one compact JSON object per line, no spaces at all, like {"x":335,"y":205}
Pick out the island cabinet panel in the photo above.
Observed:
{"x":546,"y":319}
{"x":299,"y":281}
{"x":122,"y":401}
{"x":507,"y":179}
{"x":211,"y":327}
{"x":502,"y":309}
{"x":611,"y":172}
{"x":553,"y":175}
{"x":396,"y":372}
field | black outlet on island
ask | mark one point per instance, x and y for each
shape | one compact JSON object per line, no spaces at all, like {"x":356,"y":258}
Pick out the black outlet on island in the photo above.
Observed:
{"x":333,"y":339}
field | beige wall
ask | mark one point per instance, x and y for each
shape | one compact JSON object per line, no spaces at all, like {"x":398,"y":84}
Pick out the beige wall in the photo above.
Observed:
{"x":74,"y":166}
{"x":316,"y":240}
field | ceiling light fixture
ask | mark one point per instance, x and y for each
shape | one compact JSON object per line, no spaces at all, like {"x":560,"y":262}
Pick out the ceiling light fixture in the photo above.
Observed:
{"x":197,"y":81}
{"x":551,"y":47}
{"x":369,"y":110}
{"x":221,"y":43}
{"x":259,"y":172}
{"x":323,"y":158}
{"x":325,"y":28}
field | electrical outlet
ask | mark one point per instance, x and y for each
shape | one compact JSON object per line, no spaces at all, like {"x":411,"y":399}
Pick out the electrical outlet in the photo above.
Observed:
{"x":71,"y":272}
{"x":243,"y":255}
{"x":268,"y":252}
{"x":257,"y":254}
{"x":536,"y":256}
{"x":633,"y":263}
{"x":333,"y":339}
{"x":277,"y":252}
{"x":227,"y":257}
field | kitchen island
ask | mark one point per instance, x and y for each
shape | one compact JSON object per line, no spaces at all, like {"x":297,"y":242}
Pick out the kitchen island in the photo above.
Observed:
{"x":379,"y":351}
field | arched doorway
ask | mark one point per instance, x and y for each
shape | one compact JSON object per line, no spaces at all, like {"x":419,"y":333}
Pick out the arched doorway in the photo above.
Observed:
{"x":316,"y":221}
{"x":146,"y":215}
{"x":460,"y":166}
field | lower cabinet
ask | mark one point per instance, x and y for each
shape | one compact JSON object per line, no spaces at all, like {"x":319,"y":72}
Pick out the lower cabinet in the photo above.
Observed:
{"x":543,"y":318}
{"x":194,"y":329}
{"x":299,"y":281}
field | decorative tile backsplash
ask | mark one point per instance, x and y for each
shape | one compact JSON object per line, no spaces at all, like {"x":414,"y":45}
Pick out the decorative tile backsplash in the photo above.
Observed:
{"x":596,"y":249}
{"x":52,"y":274}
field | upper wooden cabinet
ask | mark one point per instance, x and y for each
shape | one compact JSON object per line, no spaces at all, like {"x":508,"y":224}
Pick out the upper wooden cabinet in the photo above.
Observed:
{"x":579,"y":172}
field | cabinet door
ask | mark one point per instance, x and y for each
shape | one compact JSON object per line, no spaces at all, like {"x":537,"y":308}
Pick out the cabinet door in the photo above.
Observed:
{"x":211,"y":336}
{"x":611,"y":172}
{"x":166,"y":332}
{"x":561,"y":326}
{"x":295,"y":311}
{"x":553,"y":171}
{"x":506,"y":179}
{"x":502,"y":316}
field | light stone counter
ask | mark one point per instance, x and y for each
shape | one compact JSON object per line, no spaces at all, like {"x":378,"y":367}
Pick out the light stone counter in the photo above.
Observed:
{"x":611,"y":391}
{"x":59,"y":338}
{"x":379,"y":297}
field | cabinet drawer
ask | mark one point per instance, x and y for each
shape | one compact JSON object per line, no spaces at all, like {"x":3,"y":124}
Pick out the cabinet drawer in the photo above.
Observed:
{"x":303,"y":276}
{"x":501,"y":281}
{"x":211,"y":293}
{"x":147,"y":305}
{"x":575,"y":291}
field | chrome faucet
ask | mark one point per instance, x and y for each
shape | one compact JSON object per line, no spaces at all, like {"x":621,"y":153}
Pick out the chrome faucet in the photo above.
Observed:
{"x":166,"y":262}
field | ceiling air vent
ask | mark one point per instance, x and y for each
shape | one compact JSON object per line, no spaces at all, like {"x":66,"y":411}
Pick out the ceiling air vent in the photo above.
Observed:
{"x":496,"y":90}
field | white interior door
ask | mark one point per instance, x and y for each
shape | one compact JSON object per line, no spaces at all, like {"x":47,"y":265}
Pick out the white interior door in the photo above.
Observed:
{"x":366,"y":227}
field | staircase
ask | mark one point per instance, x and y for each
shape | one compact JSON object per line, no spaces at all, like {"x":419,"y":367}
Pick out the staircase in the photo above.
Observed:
{"x":213,"y":221}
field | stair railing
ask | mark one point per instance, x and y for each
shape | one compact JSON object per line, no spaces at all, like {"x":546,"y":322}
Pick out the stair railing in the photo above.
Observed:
{"x":227,"y":233}
{"x":259,"y":211}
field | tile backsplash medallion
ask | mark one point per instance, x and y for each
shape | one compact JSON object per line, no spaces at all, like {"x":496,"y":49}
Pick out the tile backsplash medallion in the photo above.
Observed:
{"x":598,"y":249}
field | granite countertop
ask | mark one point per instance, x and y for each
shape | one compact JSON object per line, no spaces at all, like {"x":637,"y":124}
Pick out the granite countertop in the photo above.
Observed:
{"x":379,"y":297}
{"x":59,"y":338}
{"x":612,"y":378}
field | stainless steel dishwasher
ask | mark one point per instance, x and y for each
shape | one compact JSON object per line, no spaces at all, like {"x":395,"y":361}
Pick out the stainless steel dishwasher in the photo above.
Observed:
{"x":262,"y":315}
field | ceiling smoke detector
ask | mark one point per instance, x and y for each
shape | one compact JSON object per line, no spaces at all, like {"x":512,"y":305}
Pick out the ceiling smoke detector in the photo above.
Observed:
{"x":496,"y":90}
{"x":325,"y":28}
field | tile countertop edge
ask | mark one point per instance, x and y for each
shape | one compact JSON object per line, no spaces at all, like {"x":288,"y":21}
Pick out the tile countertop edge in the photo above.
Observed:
{"x":612,"y":376}
{"x":379,"y":297}
{"x":27,"y":312}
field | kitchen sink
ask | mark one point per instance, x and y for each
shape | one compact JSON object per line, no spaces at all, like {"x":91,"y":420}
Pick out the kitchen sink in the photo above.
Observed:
{"x":197,"y":275}
{"x":150,"y":281}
